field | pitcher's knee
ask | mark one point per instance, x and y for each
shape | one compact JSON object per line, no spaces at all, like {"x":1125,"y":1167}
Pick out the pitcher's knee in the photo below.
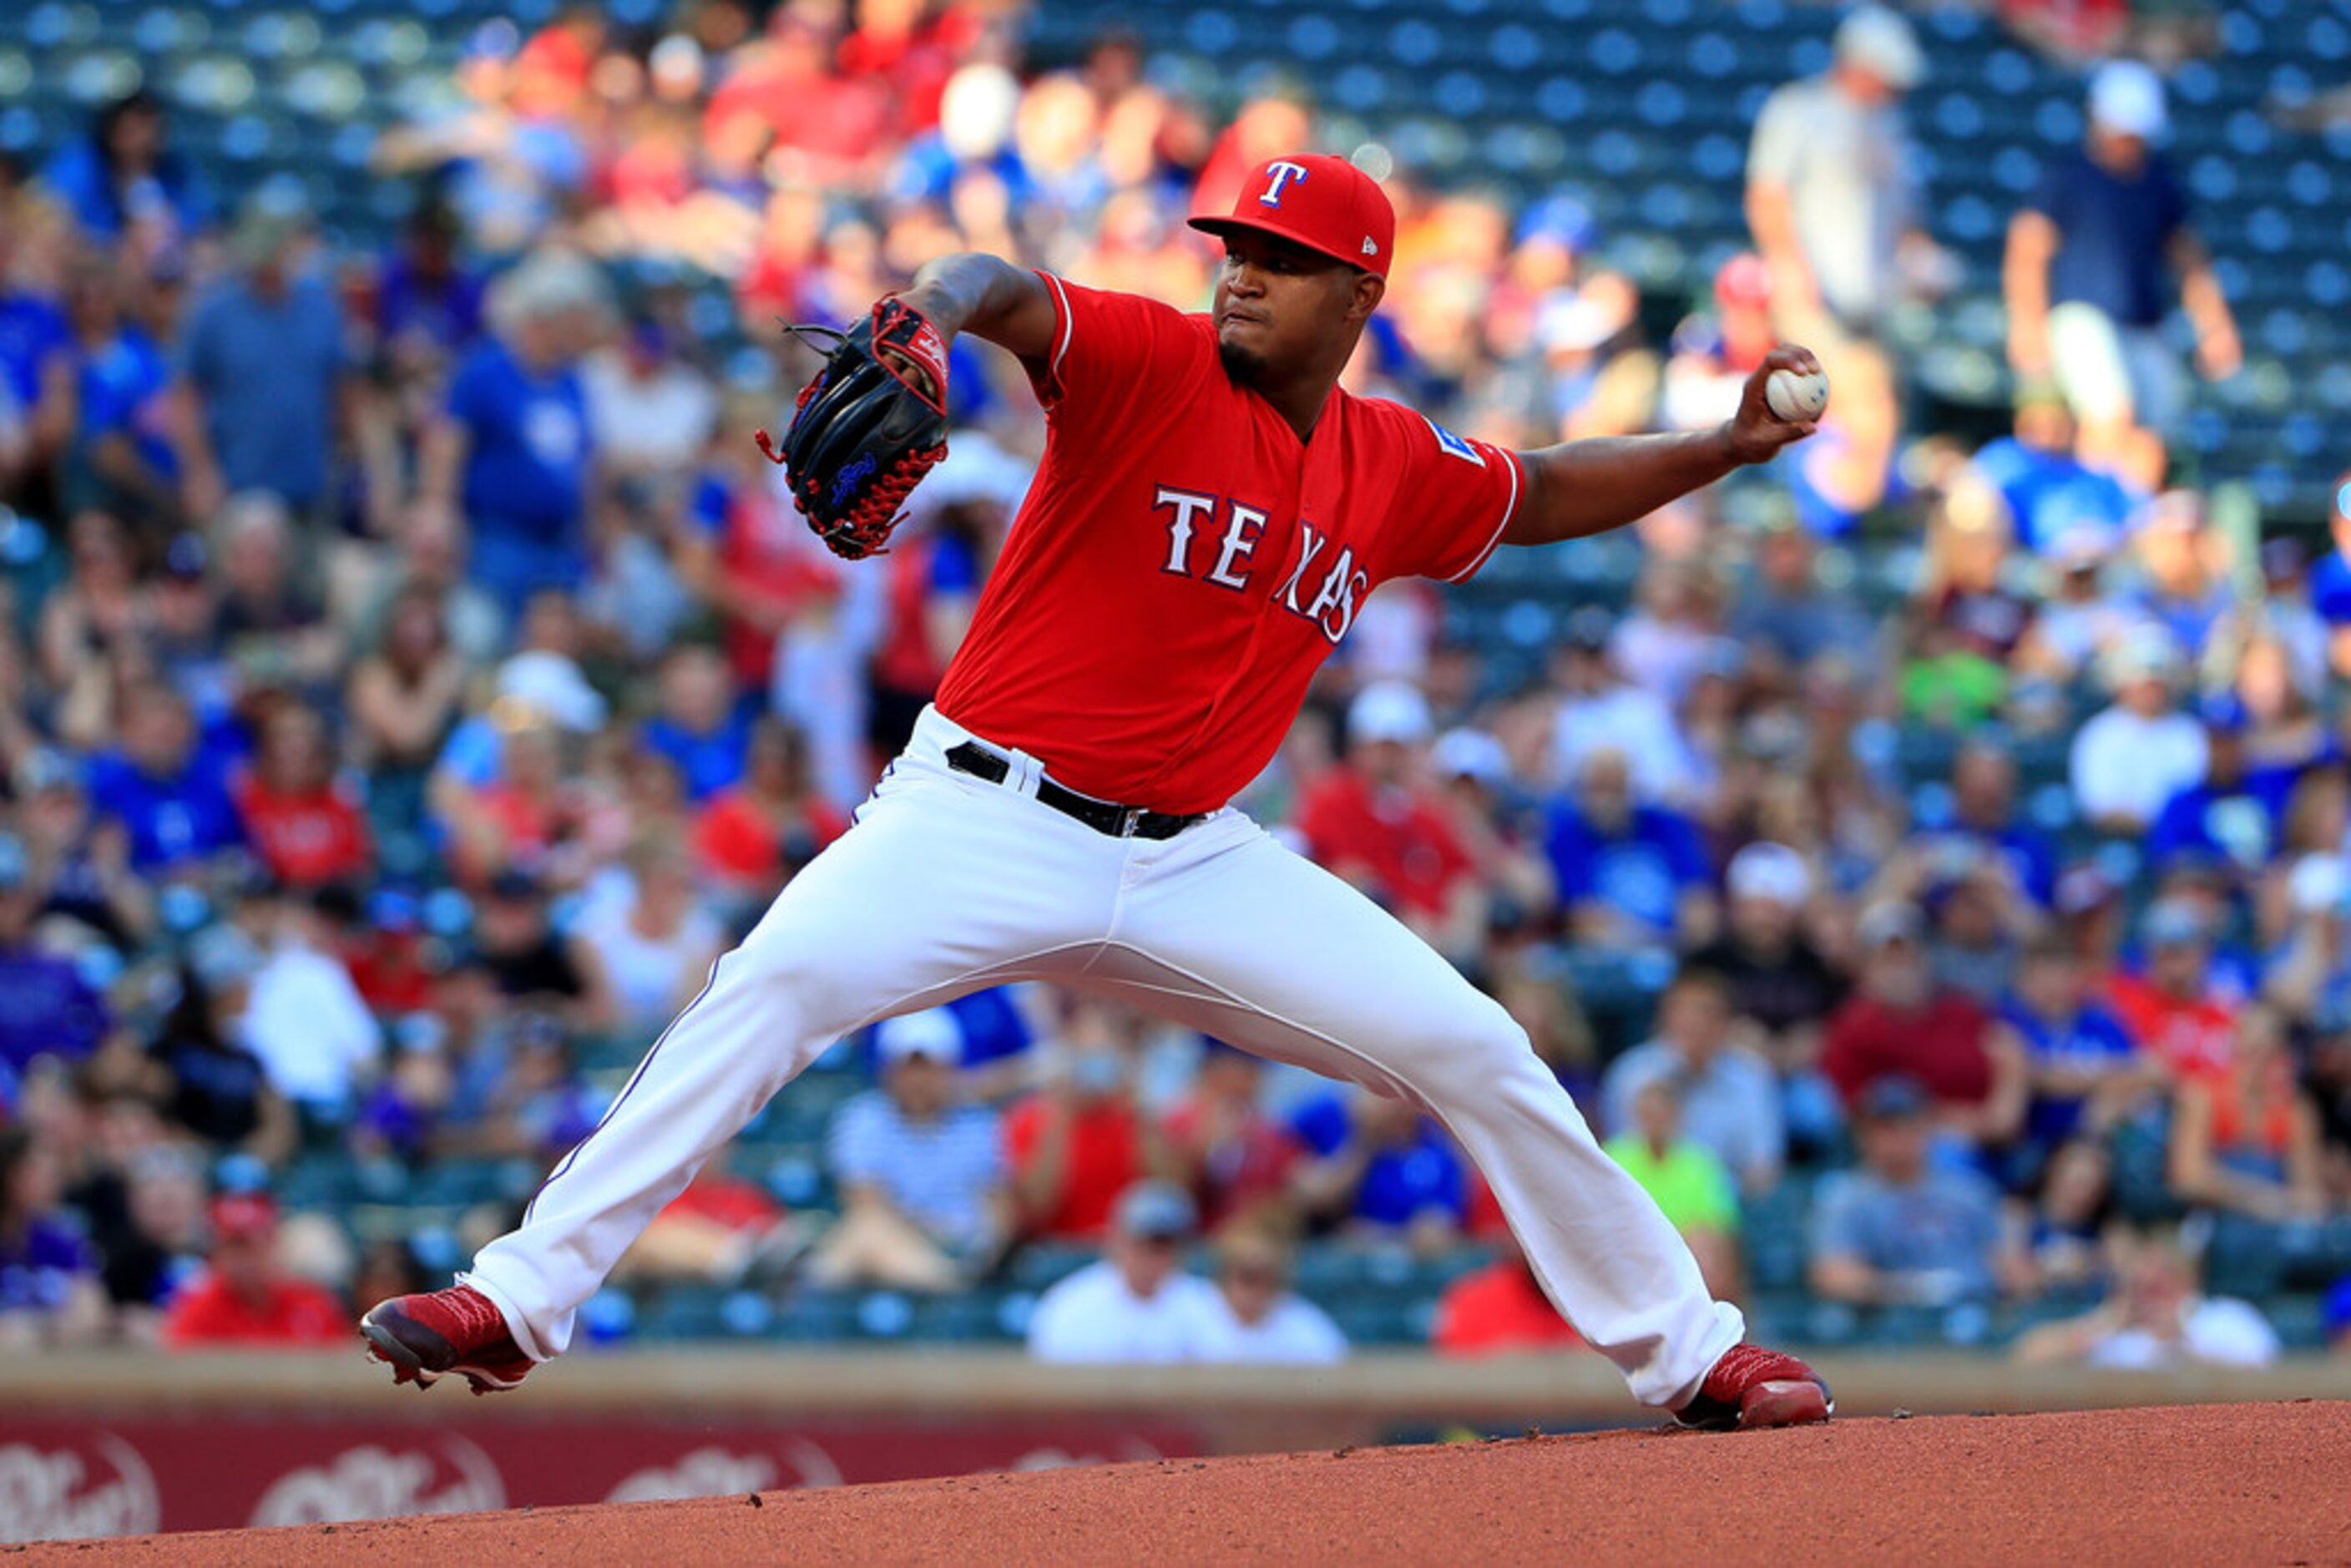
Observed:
{"x":786,"y":971}
{"x":1486,"y":1054}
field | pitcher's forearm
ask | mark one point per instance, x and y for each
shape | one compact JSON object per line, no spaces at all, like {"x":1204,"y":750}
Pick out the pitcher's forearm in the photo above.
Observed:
{"x":987,"y":297}
{"x":1583,"y":487}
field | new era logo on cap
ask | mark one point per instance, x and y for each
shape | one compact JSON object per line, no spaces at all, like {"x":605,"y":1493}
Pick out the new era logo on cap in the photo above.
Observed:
{"x":1313,"y":199}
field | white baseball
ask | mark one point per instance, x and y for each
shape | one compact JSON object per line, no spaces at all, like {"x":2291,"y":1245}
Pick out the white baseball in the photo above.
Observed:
{"x":1796,"y":396}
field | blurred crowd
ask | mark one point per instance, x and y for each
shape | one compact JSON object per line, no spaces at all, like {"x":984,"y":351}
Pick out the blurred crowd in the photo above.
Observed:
{"x":411,"y":677}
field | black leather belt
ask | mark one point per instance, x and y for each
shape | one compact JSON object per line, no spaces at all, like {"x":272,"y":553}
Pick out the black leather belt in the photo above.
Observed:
{"x":1105,"y":817}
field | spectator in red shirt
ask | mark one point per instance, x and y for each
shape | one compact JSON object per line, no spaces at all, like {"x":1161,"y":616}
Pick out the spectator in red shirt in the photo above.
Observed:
{"x":1900,"y":1023}
{"x":913,"y":47}
{"x":556,"y":63}
{"x":1235,"y":1159}
{"x":2247,"y":1140}
{"x":749,"y":553}
{"x":1373,"y":821}
{"x":1079,"y":1142}
{"x":2171,"y":1009}
{"x":932,"y":585}
{"x":756,"y":835}
{"x":781,"y":89}
{"x":1499,"y":1311}
{"x":304,"y":822}
{"x":517,"y":823}
{"x":244,"y":1297}
{"x":721,"y":1230}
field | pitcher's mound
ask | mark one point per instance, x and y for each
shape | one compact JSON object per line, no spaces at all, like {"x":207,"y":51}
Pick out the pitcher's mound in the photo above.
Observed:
{"x":2216,"y":1483}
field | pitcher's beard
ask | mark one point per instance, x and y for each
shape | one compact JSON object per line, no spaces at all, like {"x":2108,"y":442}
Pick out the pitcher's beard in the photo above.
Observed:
{"x":1242,"y":368}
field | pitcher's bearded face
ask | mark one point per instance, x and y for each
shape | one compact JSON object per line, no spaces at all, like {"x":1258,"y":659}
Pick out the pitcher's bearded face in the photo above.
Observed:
{"x":1277,"y":304}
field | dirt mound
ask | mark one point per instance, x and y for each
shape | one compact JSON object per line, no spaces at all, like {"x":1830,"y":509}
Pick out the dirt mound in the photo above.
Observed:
{"x":2238,"y":1483}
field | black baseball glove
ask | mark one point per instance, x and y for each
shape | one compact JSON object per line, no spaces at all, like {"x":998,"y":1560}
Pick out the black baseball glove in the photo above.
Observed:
{"x":867,"y":429}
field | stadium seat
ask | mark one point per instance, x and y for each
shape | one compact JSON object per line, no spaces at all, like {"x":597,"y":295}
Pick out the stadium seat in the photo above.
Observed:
{"x":1042,"y":1264}
{"x":2299,"y":1320}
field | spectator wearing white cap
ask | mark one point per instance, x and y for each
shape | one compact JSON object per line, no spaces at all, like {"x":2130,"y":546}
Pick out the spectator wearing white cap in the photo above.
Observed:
{"x":1779,"y":981}
{"x":1374,"y":821}
{"x":539,"y":688}
{"x":924,"y":1203}
{"x":1488,"y":811}
{"x":2133,"y":756}
{"x":1600,"y":709}
{"x":513,"y":452}
{"x":2078,"y":621}
{"x":1833,"y":191}
{"x":2084,"y":276}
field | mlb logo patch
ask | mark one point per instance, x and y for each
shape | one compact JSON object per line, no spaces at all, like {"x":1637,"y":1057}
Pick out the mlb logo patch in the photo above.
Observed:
{"x":1454,"y":443}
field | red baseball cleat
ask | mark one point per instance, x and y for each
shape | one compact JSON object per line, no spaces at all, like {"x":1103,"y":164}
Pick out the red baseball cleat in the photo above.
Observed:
{"x":1751,"y":1387}
{"x":457,"y":1330}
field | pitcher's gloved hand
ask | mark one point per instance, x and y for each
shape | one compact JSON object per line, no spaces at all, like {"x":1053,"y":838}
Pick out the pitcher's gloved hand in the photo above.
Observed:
{"x":867,"y":428}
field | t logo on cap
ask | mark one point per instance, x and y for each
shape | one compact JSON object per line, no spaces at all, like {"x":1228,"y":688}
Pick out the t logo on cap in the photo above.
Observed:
{"x":1313,"y":200}
{"x":1277,"y":175}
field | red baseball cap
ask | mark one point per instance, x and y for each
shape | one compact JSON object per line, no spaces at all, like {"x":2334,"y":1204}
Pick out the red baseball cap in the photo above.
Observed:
{"x":244,"y":1217}
{"x":1325,"y":203}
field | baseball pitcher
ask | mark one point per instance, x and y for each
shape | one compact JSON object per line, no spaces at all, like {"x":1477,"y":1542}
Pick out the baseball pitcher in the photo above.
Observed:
{"x":1211,"y":512}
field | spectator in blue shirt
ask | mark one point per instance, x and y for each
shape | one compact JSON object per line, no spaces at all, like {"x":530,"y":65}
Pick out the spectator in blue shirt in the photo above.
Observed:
{"x":1000,"y":1025}
{"x":973,"y":134}
{"x":2337,"y":1317}
{"x":261,"y":368}
{"x":2184,"y":583}
{"x":1381,"y":1169}
{"x":119,"y":458}
{"x":2330,"y":584}
{"x":2084,"y":1069}
{"x":168,"y":792}
{"x":700,"y":728}
{"x":924,"y":1204}
{"x":1898,"y":1230}
{"x":36,"y":370}
{"x":1789,"y":612}
{"x":47,"y":1008}
{"x":2083,"y":278}
{"x":1726,"y":1092}
{"x":49,"y":1287}
{"x":1983,"y":810}
{"x":1628,"y":875}
{"x":2048,"y":490}
{"x":513,"y":450}
{"x":122,"y":179}
{"x":2235,"y":816}
{"x":428,"y":303}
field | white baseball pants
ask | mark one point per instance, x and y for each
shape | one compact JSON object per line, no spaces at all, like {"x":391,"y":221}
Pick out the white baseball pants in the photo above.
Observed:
{"x":947,"y":885}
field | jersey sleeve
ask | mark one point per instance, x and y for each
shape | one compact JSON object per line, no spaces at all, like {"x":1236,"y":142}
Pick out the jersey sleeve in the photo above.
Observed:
{"x":1113,"y":354}
{"x":1453,"y":497}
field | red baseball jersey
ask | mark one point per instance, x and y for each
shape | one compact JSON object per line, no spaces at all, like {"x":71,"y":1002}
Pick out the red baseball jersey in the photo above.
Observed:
{"x":1183,"y":563}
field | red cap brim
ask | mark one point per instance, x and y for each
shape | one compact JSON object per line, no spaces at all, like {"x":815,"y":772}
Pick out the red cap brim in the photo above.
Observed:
{"x":1220,"y":226}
